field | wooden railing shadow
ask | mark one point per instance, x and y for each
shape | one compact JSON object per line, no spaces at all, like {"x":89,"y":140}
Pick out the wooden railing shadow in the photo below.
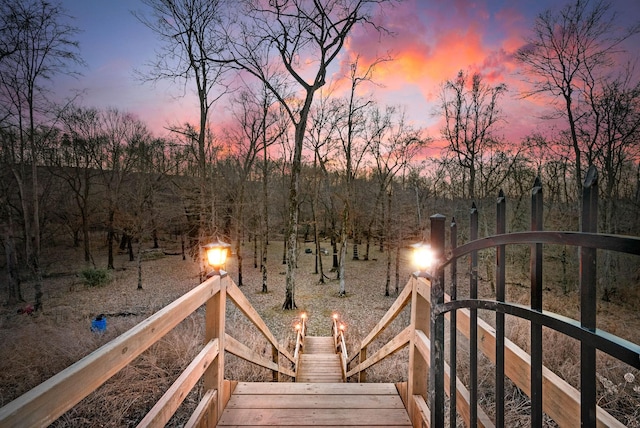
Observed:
{"x":430,"y":377}
{"x":48,"y":401}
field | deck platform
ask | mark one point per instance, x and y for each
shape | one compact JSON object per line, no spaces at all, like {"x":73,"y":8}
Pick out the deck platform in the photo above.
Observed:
{"x":314,"y":404}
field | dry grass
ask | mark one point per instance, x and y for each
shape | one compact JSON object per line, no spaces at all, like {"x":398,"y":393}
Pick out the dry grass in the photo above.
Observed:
{"x":34,"y":348}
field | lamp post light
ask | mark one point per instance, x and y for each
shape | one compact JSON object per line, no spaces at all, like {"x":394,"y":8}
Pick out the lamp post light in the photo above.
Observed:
{"x":423,"y":258}
{"x":216,"y":256}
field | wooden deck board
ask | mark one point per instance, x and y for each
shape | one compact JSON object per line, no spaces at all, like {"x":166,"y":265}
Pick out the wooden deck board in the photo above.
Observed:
{"x":274,"y":401}
{"x":298,"y":388}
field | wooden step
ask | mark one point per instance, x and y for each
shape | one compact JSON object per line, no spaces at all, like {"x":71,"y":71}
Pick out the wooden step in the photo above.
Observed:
{"x":318,"y":345}
{"x":318,"y":405}
{"x":319,"y":367}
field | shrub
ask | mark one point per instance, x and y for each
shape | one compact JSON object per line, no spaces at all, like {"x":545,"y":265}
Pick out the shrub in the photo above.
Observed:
{"x":94,"y":277}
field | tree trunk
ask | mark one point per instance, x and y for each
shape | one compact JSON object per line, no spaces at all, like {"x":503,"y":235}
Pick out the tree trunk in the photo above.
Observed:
{"x":139,"y":263}
{"x":110,"y":238}
{"x":334,"y":246}
{"x":398,"y":267}
{"x":292,"y":232}
{"x":265,"y":219}
{"x":255,"y":250}
{"x":343,"y":262}
{"x":14,"y":293}
{"x":387,"y":281}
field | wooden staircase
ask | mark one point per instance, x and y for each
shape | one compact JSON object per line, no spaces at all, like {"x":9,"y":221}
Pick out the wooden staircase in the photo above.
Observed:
{"x":318,"y":398}
{"x":319,"y":362}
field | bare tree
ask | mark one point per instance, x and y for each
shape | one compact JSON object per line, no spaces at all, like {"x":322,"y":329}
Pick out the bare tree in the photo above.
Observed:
{"x":38,"y":43}
{"x":116,"y":159}
{"x":393,"y":143}
{"x":325,"y":118}
{"x":470,"y":109}
{"x":302,"y":38}
{"x":566,"y":54}
{"x":256,"y":129}
{"x":188,"y":29}
{"x":76,"y":163}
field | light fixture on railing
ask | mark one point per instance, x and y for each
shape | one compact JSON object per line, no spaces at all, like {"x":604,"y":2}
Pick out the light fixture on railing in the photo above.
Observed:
{"x":423,"y":258}
{"x":216,"y":255}
{"x":342,"y":327}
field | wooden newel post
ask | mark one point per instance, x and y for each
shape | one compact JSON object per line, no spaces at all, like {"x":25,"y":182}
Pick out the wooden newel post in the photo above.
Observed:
{"x":215,"y":329}
{"x":436,"y":370}
{"x":418,"y":367}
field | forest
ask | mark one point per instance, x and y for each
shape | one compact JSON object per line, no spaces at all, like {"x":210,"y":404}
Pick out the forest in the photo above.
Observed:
{"x":297,"y":162}
{"x":308,"y":172}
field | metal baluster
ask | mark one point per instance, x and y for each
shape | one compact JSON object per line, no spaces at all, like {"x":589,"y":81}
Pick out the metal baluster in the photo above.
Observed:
{"x":536,"y":304}
{"x":473,"y":329}
{"x":453,"y":293}
{"x":588,"y":273}
{"x":500,"y":297}
{"x":436,"y":369}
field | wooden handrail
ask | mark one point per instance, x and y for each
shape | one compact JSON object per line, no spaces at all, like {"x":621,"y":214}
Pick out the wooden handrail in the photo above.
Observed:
{"x":45,"y":403}
{"x":340,"y":344}
{"x":301,"y":332}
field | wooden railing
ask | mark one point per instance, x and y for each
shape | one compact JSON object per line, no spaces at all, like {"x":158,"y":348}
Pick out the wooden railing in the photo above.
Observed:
{"x":339,"y":343}
{"x":51,"y":399}
{"x":431,"y":307}
{"x":301,"y":332}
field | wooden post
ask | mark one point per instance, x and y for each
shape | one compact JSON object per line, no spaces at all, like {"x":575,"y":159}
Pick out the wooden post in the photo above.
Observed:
{"x":215,"y":329}
{"x":275,"y":353}
{"x":362,"y":376}
{"x":436,"y":371}
{"x":588,"y":300}
{"x":418,"y":368}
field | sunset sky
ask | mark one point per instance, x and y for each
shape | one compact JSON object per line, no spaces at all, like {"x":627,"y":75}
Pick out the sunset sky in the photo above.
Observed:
{"x":433,"y":40}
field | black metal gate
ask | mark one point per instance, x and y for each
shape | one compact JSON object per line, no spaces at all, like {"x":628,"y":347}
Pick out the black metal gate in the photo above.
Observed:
{"x":583,"y":330}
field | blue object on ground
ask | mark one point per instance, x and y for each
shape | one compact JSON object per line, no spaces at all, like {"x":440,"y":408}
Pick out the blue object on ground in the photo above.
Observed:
{"x":99,"y":324}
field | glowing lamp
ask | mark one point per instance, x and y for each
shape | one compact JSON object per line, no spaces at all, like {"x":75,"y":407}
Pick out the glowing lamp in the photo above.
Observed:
{"x":303,"y":315}
{"x":217,"y":253}
{"x":342,"y":327}
{"x":423,"y":256}
{"x":335,"y":316}
{"x":298,"y":327}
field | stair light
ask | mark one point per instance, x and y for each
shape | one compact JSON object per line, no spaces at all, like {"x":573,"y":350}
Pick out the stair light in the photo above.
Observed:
{"x":216,"y":255}
{"x":423,"y":257}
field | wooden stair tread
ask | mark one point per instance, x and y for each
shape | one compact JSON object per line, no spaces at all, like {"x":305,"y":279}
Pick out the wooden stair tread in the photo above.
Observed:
{"x":301,"y":388}
{"x":318,"y":345}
